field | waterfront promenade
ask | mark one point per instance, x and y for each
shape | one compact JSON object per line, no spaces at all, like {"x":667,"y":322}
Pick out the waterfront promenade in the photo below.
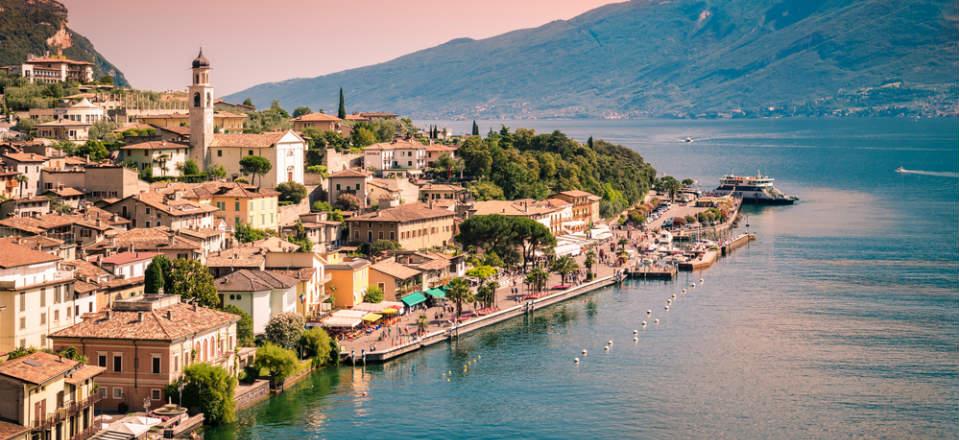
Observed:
{"x":513,"y":298}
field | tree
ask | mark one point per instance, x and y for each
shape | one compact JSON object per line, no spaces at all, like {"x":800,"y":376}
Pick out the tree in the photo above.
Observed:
{"x":486,"y":294}
{"x":669,"y":185}
{"x":485,"y":190}
{"x":21,"y":183}
{"x":447,"y":166}
{"x":245,"y":233}
{"x":341,"y":108}
{"x":153,"y":279}
{"x":362,"y":137}
{"x":190,"y":168}
{"x":244,"y":327}
{"x":347,"y":202}
{"x":300,"y":111}
{"x":537,"y":278}
{"x":215,"y":172}
{"x":248,"y":102}
{"x":292,"y":192}
{"x":93,"y":149}
{"x":209,"y":389}
{"x":482,"y":273}
{"x":164,"y":267}
{"x":688,"y":182}
{"x":565,"y":266}
{"x":459,"y":292}
{"x":255,"y":166}
{"x":505,"y":234}
{"x":589,"y":142}
{"x":193,"y":282}
{"x":373,"y":295}
{"x":317,"y":344}
{"x":589,"y":262}
{"x":280,"y":362}
{"x":475,"y":131}
{"x":285,"y":329}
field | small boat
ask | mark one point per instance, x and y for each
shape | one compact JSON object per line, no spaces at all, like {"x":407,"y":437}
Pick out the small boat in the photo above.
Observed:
{"x":688,"y":140}
{"x":901,"y":170}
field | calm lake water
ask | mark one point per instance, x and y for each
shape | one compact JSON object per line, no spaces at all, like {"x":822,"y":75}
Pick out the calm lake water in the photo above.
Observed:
{"x":841,"y":321}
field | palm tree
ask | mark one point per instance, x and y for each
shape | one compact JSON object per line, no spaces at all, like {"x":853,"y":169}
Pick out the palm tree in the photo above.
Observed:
{"x":589,"y":262}
{"x":486,"y":294}
{"x":622,"y":244}
{"x":537,"y":278}
{"x":459,"y":292}
{"x":421,"y":323}
{"x":565,"y":266}
{"x":161,"y":160}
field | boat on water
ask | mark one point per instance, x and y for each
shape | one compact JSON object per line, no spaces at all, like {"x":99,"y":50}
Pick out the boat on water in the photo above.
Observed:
{"x":901,"y":170}
{"x":757,"y":190}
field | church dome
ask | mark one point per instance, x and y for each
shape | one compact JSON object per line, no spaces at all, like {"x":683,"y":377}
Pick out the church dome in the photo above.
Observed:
{"x":200,"y":61}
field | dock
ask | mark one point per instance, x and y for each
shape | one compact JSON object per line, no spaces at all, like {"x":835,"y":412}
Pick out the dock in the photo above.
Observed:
{"x":653,"y":273}
{"x":736,"y":243}
{"x":705,"y":260}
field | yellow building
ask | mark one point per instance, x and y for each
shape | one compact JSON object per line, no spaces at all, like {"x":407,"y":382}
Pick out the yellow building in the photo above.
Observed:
{"x":247,"y":205}
{"x":413,"y":226}
{"x":349,"y":278}
{"x":51,"y":396}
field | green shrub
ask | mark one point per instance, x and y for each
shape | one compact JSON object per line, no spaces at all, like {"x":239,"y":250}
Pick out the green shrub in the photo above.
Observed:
{"x":209,"y":389}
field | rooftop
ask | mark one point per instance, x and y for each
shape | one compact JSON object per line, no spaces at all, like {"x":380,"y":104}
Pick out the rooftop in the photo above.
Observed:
{"x":163,"y":324}
{"x":245,"y":280}
{"x":17,"y":255}
{"x":128,"y":257}
{"x":394,"y":269}
{"x":247,"y":140}
{"x":350,"y":173}
{"x":403,"y":213}
{"x":25,"y":157}
{"x":316,"y":117}
{"x":37,"y":368}
{"x":156,"y":145}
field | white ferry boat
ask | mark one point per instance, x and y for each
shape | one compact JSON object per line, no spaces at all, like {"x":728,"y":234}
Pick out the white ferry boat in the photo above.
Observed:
{"x":756,"y":189}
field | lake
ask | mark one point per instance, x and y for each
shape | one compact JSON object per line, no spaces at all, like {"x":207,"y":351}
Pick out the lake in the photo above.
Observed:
{"x":842,"y":320}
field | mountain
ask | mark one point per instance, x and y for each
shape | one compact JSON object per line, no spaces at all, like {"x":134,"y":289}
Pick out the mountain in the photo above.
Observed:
{"x":676,"y":58}
{"x":37,"y":26}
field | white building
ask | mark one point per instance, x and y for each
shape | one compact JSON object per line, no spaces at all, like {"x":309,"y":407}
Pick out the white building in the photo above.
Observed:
{"x":161,"y":157}
{"x":127,"y":265}
{"x":397,"y":157}
{"x":261,"y":294}
{"x":36,"y":297}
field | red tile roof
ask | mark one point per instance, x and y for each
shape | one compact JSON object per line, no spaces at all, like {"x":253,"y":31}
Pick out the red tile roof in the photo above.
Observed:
{"x":37,"y":368}
{"x":15,"y":255}
{"x":316,"y":117}
{"x":403,"y":213}
{"x":11,"y":430}
{"x":247,"y":140}
{"x":128,"y":257}
{"x":183,"y":321}
{"x":156,"y":145}
{"x":246,"y":280}
{"x":25,"y":157}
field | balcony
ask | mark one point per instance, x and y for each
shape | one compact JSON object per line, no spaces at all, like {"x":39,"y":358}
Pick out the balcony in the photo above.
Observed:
{"x":64,"y":413}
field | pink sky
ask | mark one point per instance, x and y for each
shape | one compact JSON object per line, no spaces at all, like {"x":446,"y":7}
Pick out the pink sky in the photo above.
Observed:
{"x":250,"y":42}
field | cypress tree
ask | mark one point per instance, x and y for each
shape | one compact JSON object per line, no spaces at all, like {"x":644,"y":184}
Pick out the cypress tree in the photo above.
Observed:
{"x":341,"y":112}
{"x":589,"y":142}
{"x":154,"y":280}
{"x":475,"y":128}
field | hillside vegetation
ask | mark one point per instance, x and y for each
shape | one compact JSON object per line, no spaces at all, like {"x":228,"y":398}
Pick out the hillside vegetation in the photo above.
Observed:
{"x":681,"y":58}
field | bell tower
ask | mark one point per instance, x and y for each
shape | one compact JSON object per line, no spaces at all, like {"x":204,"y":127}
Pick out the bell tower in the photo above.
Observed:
{"x":201,"y":112}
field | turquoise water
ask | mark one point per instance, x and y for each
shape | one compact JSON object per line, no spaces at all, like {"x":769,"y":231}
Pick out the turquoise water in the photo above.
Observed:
{"x":841,"y":321}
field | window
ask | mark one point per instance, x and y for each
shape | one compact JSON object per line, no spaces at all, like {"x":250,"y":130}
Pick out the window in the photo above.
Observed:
{"x":382,"y":286}
{"x":117,"y":363}
{"x":43,"y":297}
{"x":221,"y":206}
{"x":236,"y":205}
{"x":117,"y":393}
{"x":103,"y":392}
{"x":148,"y":211}
{"x":392,"y":235}
{"x":196,"y":99}
{"x":23,"y":301}
{"x":23,"y":323}
{"x":56,"y":316}
{"x":219,"y":153}
{"x":155,"y":394}
{"x":156,"y":364}
{"x":102,"y":359}
{"x":249,"y":152}
{"x":337,"y":186}
{"x":43,"y":318}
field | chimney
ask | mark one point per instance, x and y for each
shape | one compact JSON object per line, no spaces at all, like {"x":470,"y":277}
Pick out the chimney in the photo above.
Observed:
{"x":194,"y":307}
{"x":109,"y":313}
{"x":169,"y":314}
{"x":139,"y":316}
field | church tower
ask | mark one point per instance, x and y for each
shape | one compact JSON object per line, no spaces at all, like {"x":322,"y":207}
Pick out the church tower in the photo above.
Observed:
{"x":201,"y":112}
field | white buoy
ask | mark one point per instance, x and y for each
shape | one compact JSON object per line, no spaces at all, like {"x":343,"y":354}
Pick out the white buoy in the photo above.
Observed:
{"x":667,"y":308}
{"x":649,"y":312}
{"x":575,"y":360}
{"x":585,"y":353}
{"x":610,"y":342}
{"x":635,"y":332}
{"x":669,"y":301}
{"x":673,"y":296}
{"x":644,"y":324}
{"x":701,"y":281}
{"x":692,"y":285}
{"x":656,"y":321}
{"x":684,"y":291}
{"x":635,"y":339}
{"x":606,"y":348}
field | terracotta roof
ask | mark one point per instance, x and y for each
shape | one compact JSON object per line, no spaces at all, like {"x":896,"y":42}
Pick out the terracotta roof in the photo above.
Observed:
{"x":522,"y":208}
{"x":403,"y":213}
{"x":128,"y":257}
{"x":440,"y":147}
{"x":87,"y":271}
{"x":350,"y":173}
{"x":11,"y":430}
{"x":317,"y":117}
{"x":441,"y":187}
{"x":395,"y":270}
{"x":16,"y":255}
{"x":37,"y":368}
{"x":174,"y":207}
{"x":155,"y":325}
{"x":63,"y":123}
{"x":51,"y":59}
{"x":182,"y":131}
{"x":200,"y":233}
{"x":66,"y":192}
{"x":25,"y":157}
{"x":83,"y":373}
{"x":245,"y":280}
{"x":38,"y":241}
{"x":576,"y":193}
{"x":247,"y":140}
{"x":235,"y":260}
{"x":143,"y":239}
{"x":156,"y":145}
{"x":301,"y":274}
{"x":400,"y":144}
{"x":354,"y":117}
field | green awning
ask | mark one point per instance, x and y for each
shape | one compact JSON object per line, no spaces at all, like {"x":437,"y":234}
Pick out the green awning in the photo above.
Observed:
{"x":436,"y":293}
{"x":413,"y":299}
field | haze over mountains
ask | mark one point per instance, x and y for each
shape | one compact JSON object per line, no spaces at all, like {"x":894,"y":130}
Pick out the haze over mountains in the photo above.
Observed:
{"x":683,"y":58}
{"x":35,"y":26}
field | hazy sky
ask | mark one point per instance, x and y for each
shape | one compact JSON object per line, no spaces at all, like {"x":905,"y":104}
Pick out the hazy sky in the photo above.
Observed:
{"x":249,"y":42}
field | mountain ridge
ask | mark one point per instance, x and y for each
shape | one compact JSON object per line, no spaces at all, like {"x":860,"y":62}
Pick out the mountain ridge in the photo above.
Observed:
{"x":749,"y":58}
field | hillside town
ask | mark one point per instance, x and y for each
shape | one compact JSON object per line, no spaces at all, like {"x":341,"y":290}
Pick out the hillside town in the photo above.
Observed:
{"x":149,"y":247}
